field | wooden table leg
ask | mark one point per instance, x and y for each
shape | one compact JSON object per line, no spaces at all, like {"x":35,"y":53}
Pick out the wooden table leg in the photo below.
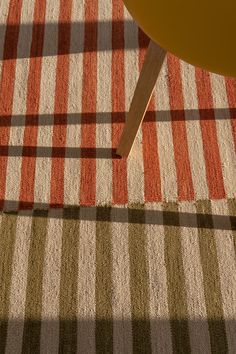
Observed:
{"x":142,"y":95}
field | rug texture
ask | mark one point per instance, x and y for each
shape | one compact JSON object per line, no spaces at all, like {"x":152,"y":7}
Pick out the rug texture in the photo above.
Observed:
{"x":145,"y":279}
{"x":67,"y":77}
{"x":100,"y":254}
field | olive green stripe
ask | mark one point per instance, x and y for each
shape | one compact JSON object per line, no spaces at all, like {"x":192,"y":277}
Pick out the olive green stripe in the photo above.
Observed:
{"x":232,"y":212}
{"x":177,"y":296}
{"x":7,"y":243}
{"x":211,"y":278}
{"x":69,"y":282}
{"x":33,"y":303}
{"x":104,"y":326}
{"x":139,"y":280}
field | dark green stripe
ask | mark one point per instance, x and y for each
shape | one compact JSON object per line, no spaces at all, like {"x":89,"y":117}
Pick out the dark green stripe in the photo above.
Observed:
{"x":69,"y":282}
{"x":211,"y":279}
{"x":104,"y":326}
{"x":139,"y":280}
{"x":7,"y":243}
{"x":33,"y":304}
{"x":177,"y":297}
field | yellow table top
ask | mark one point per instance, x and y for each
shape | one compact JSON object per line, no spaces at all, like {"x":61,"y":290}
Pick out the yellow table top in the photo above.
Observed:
{"x":201,"y":32}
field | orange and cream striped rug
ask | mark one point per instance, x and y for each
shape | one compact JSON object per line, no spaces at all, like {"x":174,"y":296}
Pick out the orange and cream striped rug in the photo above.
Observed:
{"x":100,"y":254}
{"x":67,"y":75}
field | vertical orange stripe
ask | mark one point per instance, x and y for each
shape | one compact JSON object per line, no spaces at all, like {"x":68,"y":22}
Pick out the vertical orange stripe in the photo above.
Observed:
{"x":32,"y":106}
{"x":231,"y":93}
{"x":152,"y":177}
{"x":61,"y":103}
{"x":89,"y":97}
{"x":119,"y":167}
{"x":209,"y":135}
{"x":182,"y":162}
{"x":7,"y":83}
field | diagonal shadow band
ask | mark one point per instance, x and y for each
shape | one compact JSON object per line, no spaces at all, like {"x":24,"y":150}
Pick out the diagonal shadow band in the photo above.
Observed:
{"x":115,"y":117}
{"x":58,"y":152}
{"x":121,"y":215}
{"x":77,"y":30}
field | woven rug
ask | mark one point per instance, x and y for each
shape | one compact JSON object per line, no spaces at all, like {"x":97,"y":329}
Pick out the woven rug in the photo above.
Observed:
{"x":68,"y":73}
{"x":100,"y":254}
{"x":145,"y":279}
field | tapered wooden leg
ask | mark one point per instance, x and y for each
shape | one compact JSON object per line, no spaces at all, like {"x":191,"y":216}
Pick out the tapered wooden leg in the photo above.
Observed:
{"x":142,"y":95}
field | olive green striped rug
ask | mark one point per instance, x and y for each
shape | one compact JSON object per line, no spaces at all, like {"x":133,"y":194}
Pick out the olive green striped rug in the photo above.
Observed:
{"x":158,"y":278}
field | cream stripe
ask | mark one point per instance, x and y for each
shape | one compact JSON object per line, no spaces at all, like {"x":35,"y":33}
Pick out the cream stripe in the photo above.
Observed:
{"x":135,"y":167}
{"x":224,"y":134}
{"x":72,"y":165}
{"x":46,"y":107}
{"x":198,"y":327}
{"x":159,"y":312}
{"x":196,"y":153}
{"x":165,"y":138}
{"x":19,"y":103}
{"x":122,"y":317}
{"x":49,"y":342}
{"x":86,"y":312}
{"x":18,"y":284}
{"x":227,"y":267}
{"x":104,"y":103}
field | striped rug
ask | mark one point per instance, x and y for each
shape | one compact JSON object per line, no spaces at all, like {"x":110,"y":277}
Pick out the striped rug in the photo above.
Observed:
{"x":144,"y":279}
{"x":100,"y":254}
{"x":68,"y":70}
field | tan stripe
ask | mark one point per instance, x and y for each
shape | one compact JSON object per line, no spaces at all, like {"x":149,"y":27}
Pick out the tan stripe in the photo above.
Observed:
{"x":165,"y":138}
{"x":177,"y":297}
{"x":69,"y":281}
{"x":18,"y":284}
{"x":232,"y":213}
{"x":19,"y":103}
{"x":7,"y":243}
{"x":224,"y":134}
{"x":122,"y":319}
{"x":46,"y":106}
{"x":227,"y":268}
{"x":72,"y":165}
{"x":198,"y":326}
{"x":211,"y":280}
{"x":49,"y":340}
{"x":104,"y":104}
{"x":139,"y":280}
{"x":104,"y":330}
{"x":86,"y":309}
{"x":159,"y":312}
{"x":135,"y":167}
{"x":33,"y":303}
{"x":194,"y":131}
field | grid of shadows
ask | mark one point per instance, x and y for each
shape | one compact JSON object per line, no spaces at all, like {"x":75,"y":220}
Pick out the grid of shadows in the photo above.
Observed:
{"x":76,"y":29}
{"x":115,"y":117}
{"x":119,"y":215}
